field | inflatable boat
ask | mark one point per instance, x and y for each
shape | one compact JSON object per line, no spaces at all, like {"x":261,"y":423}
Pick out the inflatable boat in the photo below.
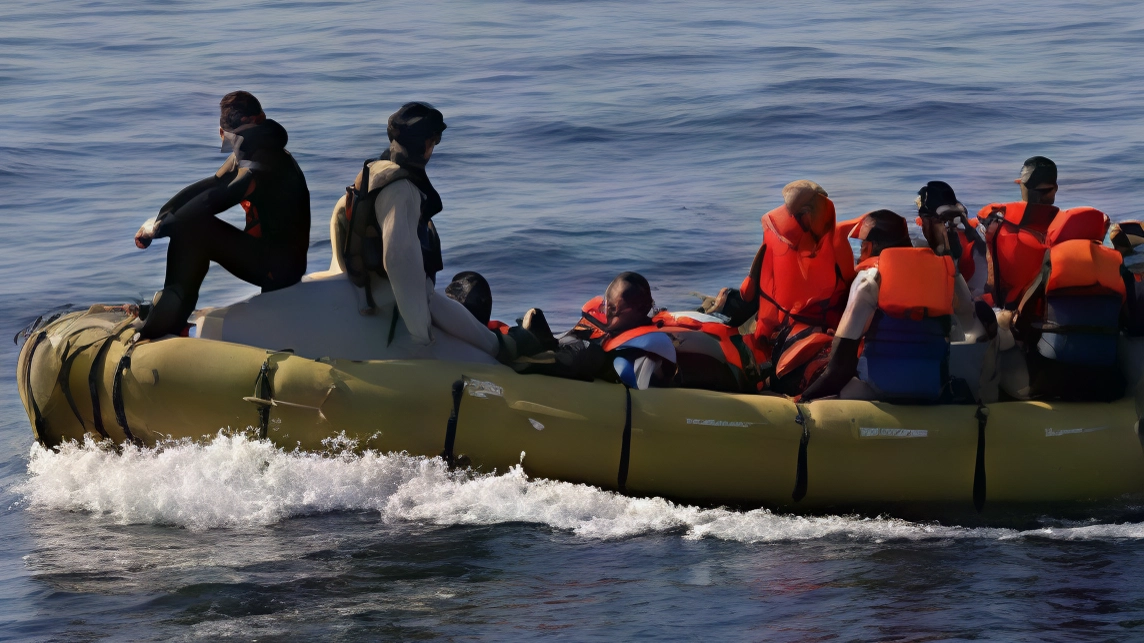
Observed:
{"x":81,"y":374}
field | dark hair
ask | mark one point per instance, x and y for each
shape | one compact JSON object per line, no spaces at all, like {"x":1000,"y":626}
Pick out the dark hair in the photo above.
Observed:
{"x":235,"y":107}
{"x":474,"y":293}
{"x":887,"y":230}
{"x":634,"y":289}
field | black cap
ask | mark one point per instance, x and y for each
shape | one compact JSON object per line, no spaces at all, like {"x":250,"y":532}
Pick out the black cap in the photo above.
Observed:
{"x":1038,"y":170}
{"x":415,"y":122}
{"x":934,"y":195}
{"x":474,"y":293}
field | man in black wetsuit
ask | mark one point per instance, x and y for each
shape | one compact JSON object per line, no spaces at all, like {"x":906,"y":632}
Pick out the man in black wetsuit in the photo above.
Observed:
{"x":260,"y":175}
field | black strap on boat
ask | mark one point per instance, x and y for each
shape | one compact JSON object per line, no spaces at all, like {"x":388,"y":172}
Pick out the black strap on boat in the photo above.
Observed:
{"x":800,"y":472}
{"x":625,"y":445}
{"x":393,"y":324}
{"x":93,"y":383}
{"x":64,"y":379}
{"x":263,"y":391}
{"x":117,"y":394}
{"x":982,"y":416}
{"x":451,"y":427}
{"x":37,"y":418}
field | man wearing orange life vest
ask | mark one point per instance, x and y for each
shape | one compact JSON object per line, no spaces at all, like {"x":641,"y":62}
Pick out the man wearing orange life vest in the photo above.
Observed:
{"x":901,"y":305}
{"x":1069,"y":320}
{"x":796,"y":288}
{"x":1016,"y":232}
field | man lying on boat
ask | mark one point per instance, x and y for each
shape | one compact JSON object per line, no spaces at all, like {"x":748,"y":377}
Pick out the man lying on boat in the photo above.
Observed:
{"x":622,"y":337}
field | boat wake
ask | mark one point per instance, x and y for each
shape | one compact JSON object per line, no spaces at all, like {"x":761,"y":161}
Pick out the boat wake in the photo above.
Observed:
{"x":237,"y":481}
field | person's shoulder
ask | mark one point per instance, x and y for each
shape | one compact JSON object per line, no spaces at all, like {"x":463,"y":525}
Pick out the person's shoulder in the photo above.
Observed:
{"x":866,"y":281}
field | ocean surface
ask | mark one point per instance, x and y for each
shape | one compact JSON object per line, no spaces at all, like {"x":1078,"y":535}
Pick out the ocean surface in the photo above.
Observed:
{"x":584,"y":139}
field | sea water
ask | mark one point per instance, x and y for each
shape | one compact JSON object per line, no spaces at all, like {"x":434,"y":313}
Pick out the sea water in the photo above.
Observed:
{"x":585,"y":138}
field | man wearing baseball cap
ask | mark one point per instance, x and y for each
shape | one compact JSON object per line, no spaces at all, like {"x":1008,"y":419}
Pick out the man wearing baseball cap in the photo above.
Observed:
{"x":1015,"y":232}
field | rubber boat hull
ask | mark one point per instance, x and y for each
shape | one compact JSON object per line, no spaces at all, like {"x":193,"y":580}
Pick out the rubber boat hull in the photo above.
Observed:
{"x":81,"y":375}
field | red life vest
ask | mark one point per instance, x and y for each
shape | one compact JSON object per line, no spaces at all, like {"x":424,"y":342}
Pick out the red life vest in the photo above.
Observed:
{"x":253,"y":225}
{"x":1081,"y":267}
{"x":1017,"y":244}
{"x":498,"y":327}
{"x":915,"y":283}
{"x":662,"y":322}
{"x":801,"y":281}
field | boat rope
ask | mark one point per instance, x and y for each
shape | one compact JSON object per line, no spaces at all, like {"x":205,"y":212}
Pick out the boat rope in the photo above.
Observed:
{"x":92,"y":387}
{"x":94,"y":372}
{"x":64,"y":378}
{"x":451,"y":427}
{"x":625,"y":445}
{"x":982,"y":416}
{"x":37,"y":418}
{"x":117,"y":393}
{"x":800,"y":472}
{"x":264,"y":391}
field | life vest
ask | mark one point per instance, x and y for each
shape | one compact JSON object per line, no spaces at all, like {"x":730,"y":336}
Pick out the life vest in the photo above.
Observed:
{"x":498,"y":327}
{"x":1015,"y":235}
{"x":801,"y":281}
{"x":695,"y":336}
{"x":906,"y":349}
{"x":361,"y":249}
{"x":1083,"y":295}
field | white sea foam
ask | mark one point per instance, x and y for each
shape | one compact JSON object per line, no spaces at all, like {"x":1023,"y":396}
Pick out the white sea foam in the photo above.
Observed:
{"x":236,"y":481}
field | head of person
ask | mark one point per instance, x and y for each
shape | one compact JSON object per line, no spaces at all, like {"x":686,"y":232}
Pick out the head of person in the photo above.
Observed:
{"x":237,"y":109}
{"x":627,"y":302}
{"x":879,"y":230}
{"x":1127,"y":237}
{"x":414,"y":131}
{"x":1038,"y":181}
{"x":938,"y":208}
{"x":807,"y":202}
{"x":473,"y":292}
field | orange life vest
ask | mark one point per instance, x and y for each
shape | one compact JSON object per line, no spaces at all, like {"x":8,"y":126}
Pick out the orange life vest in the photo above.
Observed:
{"x":662,"y":322}
{"x":1017,"y":243}
{"x":1084,"y":267}
{"x":801,"y":280}
{"x":915,"y":283}
{"x":907,"y":347}
{"x":498,"y":326}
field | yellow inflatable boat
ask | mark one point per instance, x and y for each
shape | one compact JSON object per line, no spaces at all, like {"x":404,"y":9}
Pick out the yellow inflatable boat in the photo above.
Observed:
{"x":80,"y":374}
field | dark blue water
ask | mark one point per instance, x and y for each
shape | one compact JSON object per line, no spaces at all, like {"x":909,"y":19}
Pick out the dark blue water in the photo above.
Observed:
{"x":584,"y":138}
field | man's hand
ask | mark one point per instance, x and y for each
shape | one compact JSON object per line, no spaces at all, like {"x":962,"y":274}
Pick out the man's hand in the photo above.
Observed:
{"x":146,"y":234}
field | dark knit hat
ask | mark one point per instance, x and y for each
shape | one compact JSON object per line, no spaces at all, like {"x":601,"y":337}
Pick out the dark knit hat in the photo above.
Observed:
{"x":415,"y":123}
{"x":474,"y":293}
{"x":933,"y":196}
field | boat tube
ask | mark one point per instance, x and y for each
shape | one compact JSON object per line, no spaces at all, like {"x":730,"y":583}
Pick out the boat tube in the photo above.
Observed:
{"x":82,"y":374}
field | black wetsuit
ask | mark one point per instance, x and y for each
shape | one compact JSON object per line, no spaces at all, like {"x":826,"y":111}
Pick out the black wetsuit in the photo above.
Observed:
{"x":270,"y":252}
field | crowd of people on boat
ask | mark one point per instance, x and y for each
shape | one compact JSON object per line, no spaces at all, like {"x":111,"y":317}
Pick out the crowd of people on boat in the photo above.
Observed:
{"x":1023,"y":301}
